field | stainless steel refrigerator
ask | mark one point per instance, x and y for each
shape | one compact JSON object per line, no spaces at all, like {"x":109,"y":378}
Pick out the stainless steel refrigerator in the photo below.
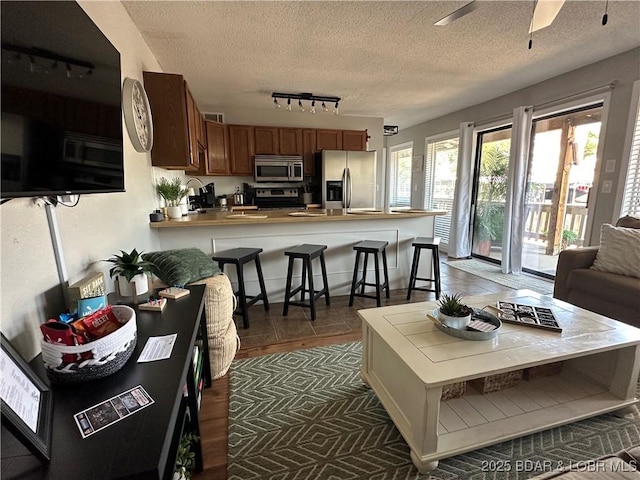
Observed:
{"x":348,"y":179}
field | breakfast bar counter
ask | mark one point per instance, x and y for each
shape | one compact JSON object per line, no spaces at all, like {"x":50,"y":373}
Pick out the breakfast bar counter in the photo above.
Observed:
{"x":214,"y":217}
{"x":277,"y":230}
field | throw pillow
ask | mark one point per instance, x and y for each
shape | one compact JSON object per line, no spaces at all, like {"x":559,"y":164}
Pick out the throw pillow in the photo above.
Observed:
{"x":181,"y":266}
{"x":619,"y":251}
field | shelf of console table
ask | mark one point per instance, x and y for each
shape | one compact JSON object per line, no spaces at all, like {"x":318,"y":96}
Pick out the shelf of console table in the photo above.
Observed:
{"x":407,"y":362}
{"x":144,"y":444}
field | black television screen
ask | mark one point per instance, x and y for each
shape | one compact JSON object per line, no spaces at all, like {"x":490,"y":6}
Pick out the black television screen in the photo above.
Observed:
{"x":61,"y":103}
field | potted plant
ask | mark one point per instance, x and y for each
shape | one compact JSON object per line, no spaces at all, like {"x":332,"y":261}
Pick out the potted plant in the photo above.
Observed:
{"x":453,"y":312}
{"x":172,"y":191}
{"x":130,"y":269}
{"x":186,"y":458}
{"x":568,"y":237}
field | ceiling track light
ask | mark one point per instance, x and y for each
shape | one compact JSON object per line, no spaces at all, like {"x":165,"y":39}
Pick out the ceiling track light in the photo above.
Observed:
{"x":33,"y":54}
{"x":310,"y":97}
{"x":276,"y":104}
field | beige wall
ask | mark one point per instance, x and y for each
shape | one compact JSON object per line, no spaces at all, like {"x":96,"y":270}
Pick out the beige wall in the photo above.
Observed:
{"x":623,"y":68}
{"x":100,"y":225}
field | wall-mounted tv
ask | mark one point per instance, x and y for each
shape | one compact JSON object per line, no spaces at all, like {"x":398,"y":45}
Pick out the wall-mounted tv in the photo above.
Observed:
{"x":61,"y":103}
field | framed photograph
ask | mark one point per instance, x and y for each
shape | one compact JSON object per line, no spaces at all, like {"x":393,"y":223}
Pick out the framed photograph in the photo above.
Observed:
{"x":26,"y":402}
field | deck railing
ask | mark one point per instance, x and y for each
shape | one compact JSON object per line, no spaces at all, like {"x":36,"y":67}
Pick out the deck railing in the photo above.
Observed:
{"x":537,"y":221}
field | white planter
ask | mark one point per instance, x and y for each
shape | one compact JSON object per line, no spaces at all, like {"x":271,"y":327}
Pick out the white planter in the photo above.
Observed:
{"x":175,"y":212}
{"x":126,"y":288}
{"x":453,"y":322}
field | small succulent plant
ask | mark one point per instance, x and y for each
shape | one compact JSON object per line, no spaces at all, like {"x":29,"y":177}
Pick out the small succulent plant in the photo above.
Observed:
{"x":453,"y":306}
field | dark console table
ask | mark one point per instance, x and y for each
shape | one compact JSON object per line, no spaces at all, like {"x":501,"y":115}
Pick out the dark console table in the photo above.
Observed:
{"x":144,"y":444}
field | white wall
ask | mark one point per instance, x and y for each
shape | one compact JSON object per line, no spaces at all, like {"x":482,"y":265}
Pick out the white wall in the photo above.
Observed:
{"x":99,"y":226}
{"x":623,"y":68}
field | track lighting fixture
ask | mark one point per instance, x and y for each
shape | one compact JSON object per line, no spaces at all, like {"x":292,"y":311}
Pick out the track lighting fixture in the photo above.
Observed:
{"x":310,"y":97}
{"x":276,"y":104}
{"x":390,"y":130}
{"x":36,"y":65}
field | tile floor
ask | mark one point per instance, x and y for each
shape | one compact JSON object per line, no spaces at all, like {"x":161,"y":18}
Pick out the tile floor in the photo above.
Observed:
{"x":269,"y":328}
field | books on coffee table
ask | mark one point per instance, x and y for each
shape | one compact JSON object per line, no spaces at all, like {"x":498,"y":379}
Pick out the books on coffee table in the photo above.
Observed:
{"x":528,"y":315}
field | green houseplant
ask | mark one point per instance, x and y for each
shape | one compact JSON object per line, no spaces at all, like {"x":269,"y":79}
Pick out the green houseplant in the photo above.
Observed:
{"x":130,"y":269}
{"x":185,"y":458}
{"x":453,"y":312}
{"x":172,"y":191}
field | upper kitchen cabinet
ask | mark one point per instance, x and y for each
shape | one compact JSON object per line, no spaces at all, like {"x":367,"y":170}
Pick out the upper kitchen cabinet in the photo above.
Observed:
{"x":217,"y":160}
{"x":290,"y":140}
{"x":354,"y":140}
{"x":308,"y":151}
{"x":266,"y":140}
{"x":178,"y":142}
{"x":328,"y":139}
{"x":241,"y":149}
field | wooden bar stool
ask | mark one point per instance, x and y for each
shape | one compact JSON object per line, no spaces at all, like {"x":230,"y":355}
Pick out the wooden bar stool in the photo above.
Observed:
{"x":375,"y":248}
{"x":430,"y":243}
{"x":239,"y":257}
{"x":306,"y":253}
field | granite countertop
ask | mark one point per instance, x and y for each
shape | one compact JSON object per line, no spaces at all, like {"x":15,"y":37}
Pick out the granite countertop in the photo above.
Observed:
{"x":217,"y":217}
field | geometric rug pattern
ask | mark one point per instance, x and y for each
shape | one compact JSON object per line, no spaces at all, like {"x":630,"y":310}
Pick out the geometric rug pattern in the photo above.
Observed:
{"x":493,"y":272}
{"x":306,"y":415}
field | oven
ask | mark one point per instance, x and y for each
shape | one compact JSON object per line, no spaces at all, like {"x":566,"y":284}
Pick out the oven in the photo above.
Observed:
{"x":277,"y":198}
{"x":278,"y":168}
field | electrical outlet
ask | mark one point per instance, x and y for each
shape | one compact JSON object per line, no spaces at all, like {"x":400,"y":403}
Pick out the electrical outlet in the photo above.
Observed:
{"x":607,"y":186}
{"x":610,"y":165}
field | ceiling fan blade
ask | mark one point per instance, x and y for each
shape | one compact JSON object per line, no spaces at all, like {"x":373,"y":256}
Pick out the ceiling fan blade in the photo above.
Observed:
{"x":461,"y":12}
{"x":544,"y":13}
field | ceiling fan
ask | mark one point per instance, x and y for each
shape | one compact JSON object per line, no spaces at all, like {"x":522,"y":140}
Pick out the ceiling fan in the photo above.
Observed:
{"x":544,"y":12}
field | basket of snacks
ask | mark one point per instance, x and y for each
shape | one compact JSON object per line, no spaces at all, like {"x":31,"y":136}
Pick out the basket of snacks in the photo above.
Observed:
{"x":91,"y":347}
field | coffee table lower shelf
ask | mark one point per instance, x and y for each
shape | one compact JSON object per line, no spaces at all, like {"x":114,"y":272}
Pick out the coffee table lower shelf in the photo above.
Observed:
{"x":436,"y":429}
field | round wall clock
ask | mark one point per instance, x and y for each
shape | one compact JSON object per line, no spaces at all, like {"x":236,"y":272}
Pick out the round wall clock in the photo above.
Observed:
{"x":137,"y":115}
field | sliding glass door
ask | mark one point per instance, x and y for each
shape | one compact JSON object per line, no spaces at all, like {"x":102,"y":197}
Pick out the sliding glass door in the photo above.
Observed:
{"x":489,"y":192}
{"x":561,"y":170}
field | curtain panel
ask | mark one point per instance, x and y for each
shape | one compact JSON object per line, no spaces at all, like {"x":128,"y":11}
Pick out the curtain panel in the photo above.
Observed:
{"x":459,"y":235}
{"x":514,"y":209}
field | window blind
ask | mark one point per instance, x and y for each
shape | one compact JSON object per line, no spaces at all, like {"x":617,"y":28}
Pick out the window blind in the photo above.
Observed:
{"x":631,"y":201}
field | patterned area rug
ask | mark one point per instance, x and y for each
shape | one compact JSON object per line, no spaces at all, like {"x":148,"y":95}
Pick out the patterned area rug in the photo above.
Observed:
{"x":306,"y":415}
{"x":492,"y":272}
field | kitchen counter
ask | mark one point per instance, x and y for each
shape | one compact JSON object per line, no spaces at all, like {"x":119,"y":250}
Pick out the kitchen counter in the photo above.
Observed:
{"x":277,"y":230}
{"x":213,"y":218}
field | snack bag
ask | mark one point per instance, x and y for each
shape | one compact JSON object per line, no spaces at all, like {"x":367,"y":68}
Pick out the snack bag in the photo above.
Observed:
{"x":101,"y":323}
{"x":59,"y":333}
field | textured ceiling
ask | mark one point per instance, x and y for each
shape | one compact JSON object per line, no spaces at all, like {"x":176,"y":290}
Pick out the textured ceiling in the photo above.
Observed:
{"x":385,"y":59}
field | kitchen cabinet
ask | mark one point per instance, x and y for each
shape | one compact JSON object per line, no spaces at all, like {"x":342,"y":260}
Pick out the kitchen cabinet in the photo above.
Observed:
{"x":217,"y":159}
{"x":290,"y":140}
{"x":178,"y":142}
{"x":241,"y":149}
{"x":328,"y":139}
{"x":309,"y":151}
{"x":354,"y":140}
{"x":266,"y":140}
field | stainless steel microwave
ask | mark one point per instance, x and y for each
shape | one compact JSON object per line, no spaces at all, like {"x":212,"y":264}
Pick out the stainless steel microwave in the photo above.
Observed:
{"x":278,"y":168}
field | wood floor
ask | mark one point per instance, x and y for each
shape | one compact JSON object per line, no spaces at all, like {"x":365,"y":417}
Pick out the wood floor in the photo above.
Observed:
{"x":270,"y":332}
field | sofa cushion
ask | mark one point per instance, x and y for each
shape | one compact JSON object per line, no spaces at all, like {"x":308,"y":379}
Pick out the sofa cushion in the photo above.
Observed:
{"x":615,"y":288}
{"x":181,"y":266}
{"x":619,"y":251}
{"x":628,"y":222}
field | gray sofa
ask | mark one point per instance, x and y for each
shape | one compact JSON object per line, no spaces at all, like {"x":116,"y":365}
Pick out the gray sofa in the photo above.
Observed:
{"x":610,"y":294}
{"x":623,"y":466}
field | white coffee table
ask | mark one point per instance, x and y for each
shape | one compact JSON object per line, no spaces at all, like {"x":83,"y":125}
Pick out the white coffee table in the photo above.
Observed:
{"x":407,"y":361}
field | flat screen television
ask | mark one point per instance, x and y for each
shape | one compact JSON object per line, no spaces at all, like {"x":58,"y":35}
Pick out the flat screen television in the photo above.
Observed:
{"x":61,"y":103}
